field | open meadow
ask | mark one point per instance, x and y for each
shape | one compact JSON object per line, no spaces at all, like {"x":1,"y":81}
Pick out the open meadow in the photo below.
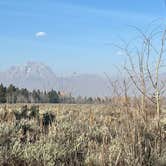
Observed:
{"x":92,"y":135}
{"x":83,"y":83}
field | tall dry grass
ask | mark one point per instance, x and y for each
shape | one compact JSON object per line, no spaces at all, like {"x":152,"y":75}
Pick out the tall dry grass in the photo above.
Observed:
{"x":81,"y":135}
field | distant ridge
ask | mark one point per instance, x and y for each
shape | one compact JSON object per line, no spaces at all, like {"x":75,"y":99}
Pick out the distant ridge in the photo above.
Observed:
{"x":34,"y":75}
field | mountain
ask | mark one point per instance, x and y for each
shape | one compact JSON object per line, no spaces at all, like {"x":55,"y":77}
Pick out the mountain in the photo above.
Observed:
{"x":84,"y":85}
{"x":34,"y":75}
{"x":31,"y":76}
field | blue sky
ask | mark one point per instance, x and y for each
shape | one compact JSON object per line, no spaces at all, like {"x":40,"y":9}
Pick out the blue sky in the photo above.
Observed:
{"x":78,"y":33}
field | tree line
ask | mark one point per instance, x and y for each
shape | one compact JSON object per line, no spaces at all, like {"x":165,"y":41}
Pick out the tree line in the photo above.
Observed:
{"x":12,"y":94}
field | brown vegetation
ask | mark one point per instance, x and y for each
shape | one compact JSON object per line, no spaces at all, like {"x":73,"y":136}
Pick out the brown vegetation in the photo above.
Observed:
{"x":81,"y":135}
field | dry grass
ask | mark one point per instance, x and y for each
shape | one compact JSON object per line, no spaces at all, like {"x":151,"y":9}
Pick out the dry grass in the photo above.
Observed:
{"x":90,"y":135}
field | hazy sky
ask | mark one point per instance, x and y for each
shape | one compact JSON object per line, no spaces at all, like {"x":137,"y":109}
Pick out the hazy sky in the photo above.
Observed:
{"x":71,"y":35}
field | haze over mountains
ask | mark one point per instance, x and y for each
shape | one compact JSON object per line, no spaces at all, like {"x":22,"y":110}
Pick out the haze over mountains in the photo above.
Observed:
{"x":34,"y":75}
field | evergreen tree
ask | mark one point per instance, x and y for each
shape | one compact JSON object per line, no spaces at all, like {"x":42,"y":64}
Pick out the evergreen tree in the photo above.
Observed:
{"x":53,"y":97}
{"x":2,"y":94}
{"x":11,"y":94}
{"x":36,"y":96}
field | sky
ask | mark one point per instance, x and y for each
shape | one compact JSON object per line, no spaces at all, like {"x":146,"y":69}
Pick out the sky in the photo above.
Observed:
{"x":72,"y":35}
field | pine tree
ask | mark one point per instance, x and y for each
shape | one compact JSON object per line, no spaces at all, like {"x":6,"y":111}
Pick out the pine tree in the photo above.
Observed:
{"x":2,"y":94}
{"x":53,"y":97}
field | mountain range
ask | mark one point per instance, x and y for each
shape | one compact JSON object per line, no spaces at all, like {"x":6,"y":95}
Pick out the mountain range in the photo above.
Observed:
{"x":34,"y":75}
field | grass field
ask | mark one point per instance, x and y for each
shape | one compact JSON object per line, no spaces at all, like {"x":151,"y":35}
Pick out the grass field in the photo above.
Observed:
{"x":91,"y":135}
